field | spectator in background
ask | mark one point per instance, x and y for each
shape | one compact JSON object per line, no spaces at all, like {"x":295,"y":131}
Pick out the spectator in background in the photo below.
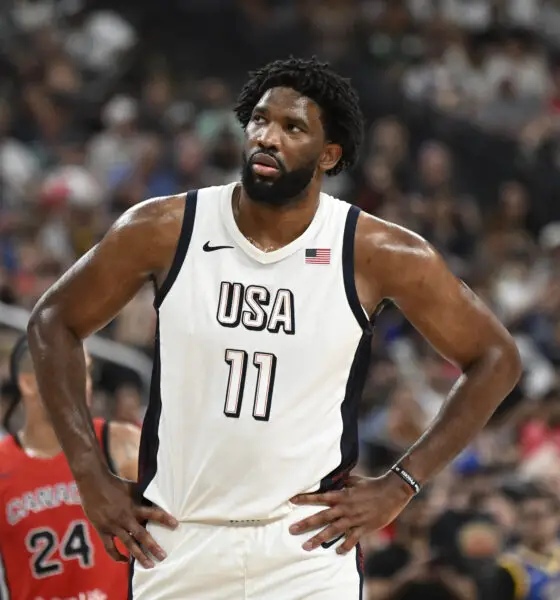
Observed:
{"x":518,"y":284}
{"x":452,"y":228}
{"x":435,"y":79}
{"x":150,"y":176}
{"x":18,"y":165}
{"x":513,"y":218}
{"x":539,"y":441}
{"x":190,"y":161}
{"x":157,"y":101}
{"x":435,"y":171}
{"x":331,"y":26}
{"x":392,"y":39}
{"x":216,"y":114}
{"x":116,"y":147}
{"x":404,"y":561}
{"x":410,"y":567}
{"x":531,"y":570}
{"x":517,"y":62}
{"x":70,"y":197}
{"x":466,"y":544}
{"x":100,"y":40}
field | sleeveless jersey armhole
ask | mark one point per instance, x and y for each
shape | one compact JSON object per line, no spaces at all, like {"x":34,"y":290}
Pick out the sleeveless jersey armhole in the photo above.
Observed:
{"x":181,"y":250}
{"x":349,"y":272}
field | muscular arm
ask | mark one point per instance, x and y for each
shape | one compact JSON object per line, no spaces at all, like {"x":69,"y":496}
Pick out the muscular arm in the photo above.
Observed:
{"x":396,"y":264}
{"x":140,"y":244}
{"x":124,"y":442}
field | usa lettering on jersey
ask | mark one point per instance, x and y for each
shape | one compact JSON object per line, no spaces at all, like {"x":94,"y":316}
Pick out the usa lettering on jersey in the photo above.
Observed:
{"x":253,"y":307}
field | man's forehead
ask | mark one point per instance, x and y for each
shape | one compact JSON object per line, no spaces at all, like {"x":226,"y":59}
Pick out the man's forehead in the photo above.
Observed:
{"x":286,"y":98}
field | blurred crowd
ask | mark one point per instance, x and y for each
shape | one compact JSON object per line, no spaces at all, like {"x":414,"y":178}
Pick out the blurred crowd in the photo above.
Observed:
{"x":101,"y":107}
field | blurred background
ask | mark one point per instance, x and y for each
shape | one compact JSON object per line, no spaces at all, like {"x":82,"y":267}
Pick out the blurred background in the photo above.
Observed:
{"x":104,"y":104}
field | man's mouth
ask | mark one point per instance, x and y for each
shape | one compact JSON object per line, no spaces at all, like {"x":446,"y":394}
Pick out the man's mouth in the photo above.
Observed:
{"x":265,"y":165}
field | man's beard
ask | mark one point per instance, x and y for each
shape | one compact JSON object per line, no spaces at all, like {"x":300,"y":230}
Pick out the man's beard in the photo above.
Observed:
{"x":287,"y":187}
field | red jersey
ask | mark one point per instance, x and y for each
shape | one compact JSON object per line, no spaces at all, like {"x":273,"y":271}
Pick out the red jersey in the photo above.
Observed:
{"x":48,"y":548}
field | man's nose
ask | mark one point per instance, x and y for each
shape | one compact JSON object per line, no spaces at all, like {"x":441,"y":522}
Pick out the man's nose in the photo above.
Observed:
{"x":269,"y":137}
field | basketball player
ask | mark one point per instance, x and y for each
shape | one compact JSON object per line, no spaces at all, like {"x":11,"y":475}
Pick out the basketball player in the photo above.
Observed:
{"x":48,"y":549}
{"x":267,"y":291}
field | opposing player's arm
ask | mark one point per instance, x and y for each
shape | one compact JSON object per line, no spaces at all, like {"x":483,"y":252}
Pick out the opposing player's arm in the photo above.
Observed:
{"x":139,"y":245}
{"x":124,"y":443}
{"x":404,"y":268}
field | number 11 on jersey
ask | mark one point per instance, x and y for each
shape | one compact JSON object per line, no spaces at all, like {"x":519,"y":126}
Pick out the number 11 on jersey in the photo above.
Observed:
{"x":265,"y":364}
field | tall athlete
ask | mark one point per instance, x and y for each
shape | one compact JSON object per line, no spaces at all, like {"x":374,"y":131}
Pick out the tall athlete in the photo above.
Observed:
{"x":266,"y":295}
{"x":48,"y":549}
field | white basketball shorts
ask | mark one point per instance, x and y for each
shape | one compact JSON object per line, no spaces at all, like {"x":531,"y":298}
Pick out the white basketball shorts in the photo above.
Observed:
{"x":261,"y":561}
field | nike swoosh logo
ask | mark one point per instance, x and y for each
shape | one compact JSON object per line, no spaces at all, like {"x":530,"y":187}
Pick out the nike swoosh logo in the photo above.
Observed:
{"x":332,"y":542}
{"x":208,"y":248}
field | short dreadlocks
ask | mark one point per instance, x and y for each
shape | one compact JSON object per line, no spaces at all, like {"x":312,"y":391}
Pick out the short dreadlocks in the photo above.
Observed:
{"x":337,"y":99}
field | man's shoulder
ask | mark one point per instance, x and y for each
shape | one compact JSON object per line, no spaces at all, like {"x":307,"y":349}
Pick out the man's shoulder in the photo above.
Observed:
{"x":386,"y":236}
{"x":166,"y":211}
{"x":159,"y":210}
{"x":385,"y":247}
{"x":149,"y":229}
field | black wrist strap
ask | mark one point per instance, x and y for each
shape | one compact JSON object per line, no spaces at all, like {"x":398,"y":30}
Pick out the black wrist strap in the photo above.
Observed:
{"x":406,"y":477}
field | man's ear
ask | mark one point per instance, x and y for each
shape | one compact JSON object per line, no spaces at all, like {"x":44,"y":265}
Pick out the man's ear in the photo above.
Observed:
{"x":332,"y":153}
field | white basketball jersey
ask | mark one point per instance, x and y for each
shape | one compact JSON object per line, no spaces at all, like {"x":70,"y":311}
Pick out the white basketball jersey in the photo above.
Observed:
{"x":259,"y":364}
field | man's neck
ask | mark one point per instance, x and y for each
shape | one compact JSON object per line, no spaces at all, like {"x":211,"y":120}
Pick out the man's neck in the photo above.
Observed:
{"x":37,"y":437}
{"x":270,"y":226}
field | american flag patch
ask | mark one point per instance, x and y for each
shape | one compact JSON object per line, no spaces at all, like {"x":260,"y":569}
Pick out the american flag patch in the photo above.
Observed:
{"x":318,"y":256}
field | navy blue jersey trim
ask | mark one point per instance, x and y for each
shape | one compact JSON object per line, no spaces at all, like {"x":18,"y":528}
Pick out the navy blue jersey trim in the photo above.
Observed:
{"x":360,"y":567}
{"x":349,"y":412}
{"x":348,"y":267}
{"x":149,"y":440}
{"x":349,"y":409}
{"x":182,"y":247}
{"x":130,"y":577}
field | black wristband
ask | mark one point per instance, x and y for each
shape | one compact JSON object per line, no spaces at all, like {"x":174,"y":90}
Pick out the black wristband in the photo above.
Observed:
{"x":406,"y":477}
